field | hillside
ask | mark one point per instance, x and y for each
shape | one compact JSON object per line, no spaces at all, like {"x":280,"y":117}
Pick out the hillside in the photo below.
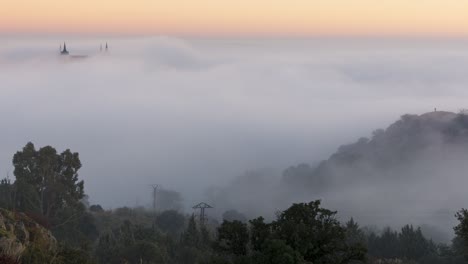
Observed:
{"x":393,"y":149}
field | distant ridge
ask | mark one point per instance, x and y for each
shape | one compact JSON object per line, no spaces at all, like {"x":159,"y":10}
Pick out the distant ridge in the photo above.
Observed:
{"x":385,"y":152}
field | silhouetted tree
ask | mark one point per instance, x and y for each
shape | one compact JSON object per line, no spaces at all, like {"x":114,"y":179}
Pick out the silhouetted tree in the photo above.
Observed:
{"x":96,"y":208}
{"x":316,"y":234}
{"x":171,"y":222}
{"x":47,"y":181}
{"x":233,"y":237}
{"x":259,"y":233}
{"x":7,"y":194}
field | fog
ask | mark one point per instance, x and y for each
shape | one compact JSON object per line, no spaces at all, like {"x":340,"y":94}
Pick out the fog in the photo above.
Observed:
{"x":193,"y":114}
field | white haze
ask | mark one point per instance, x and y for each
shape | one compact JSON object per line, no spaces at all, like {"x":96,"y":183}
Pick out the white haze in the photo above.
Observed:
{"x":194,"y":113}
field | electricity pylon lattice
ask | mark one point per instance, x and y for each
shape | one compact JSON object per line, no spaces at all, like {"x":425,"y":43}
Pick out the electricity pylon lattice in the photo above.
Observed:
{"x":202,"y":206}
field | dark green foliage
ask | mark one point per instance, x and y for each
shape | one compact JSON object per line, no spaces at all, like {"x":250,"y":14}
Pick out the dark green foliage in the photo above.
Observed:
{"x":233,"y":238}
{"x":259,"y":233}
{"x":47,"y":187}
{"x":7,"y":194}
{"x":304,"y":233}
{"x":205,"y":237}
{"x":315,"y":233}
{"x":384,"y":246}
{"x":27,"y":198}
{"x":413,"y":245}
{"x":461,"y":231}
{"x":35,"y":255}
{"x":277,"y":252}
{"x":49,"y":181}
{"x":69,"y":255}
{"x":355,"y":240}
{"x":75,"y":228}
{"x":458,"y":128}
{"x":96,"y":208}
{"x":410,"y":245}
{"x":170,"y":222}
{"x":354,"y":234}
{"x":191,"y":236}
{"x":134,"y":244}
{"x":194,"y":244}
{"x":144,"y":252}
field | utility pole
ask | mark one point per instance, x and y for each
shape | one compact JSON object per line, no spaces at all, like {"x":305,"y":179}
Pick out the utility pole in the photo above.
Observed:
{"x":202,"y":206}
{"x":155,"y":190}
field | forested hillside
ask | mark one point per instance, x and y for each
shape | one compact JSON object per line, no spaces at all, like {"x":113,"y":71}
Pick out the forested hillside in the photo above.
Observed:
{"x":45,"y":216}
{"x":388,"y":152}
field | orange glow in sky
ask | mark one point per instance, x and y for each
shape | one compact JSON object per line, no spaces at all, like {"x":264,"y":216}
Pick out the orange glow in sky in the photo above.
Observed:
{"x":236,"y":17}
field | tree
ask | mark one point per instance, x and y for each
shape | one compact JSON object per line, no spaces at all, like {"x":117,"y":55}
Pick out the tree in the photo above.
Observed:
{"x":354,"y":235}
{"x":413,"y":245}
{"x":47,"y":181}
{"x":145,"y":252}
{"x":171,"y":222}
{"x":75,"y":229}
{"x":96,"y":208}
{"x":233,"y":237}
{"x":316,"y":234}
{"x":277,"y":252}
{"x":69,"y":255}
{"x":384,"y":246}
{"x":7,"y":194}
{"x":259,"y":233}
{"x":191,"y":236}
{"x":192,"y":249}
{"x":355,"y":238}
{"x":48,"y":190}
{"x":133,"y":244}
{"x":461,"y":230}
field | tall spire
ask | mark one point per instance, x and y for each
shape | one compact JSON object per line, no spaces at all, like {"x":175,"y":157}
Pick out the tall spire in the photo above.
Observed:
{"x":64,"y":51}
{"x":107,"y":47}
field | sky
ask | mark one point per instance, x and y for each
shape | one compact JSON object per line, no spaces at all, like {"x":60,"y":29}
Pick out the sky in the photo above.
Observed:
{"x":224,"y":18}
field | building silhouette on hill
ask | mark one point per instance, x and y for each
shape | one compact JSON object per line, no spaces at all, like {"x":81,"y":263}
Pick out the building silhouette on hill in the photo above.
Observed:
{"x":64,"y":51}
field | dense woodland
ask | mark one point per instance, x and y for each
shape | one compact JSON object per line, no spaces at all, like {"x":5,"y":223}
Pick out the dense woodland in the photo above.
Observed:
{"x":47,"y":190}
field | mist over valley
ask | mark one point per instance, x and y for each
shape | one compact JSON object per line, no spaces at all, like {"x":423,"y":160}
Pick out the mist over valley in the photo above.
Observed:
{"x":373,"y":128}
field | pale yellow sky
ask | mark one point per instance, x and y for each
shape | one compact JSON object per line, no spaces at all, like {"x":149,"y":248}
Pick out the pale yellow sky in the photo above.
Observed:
{"x":237,"y":17}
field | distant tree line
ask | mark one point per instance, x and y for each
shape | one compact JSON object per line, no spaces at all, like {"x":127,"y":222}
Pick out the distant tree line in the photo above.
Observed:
{"x":47,"y":188}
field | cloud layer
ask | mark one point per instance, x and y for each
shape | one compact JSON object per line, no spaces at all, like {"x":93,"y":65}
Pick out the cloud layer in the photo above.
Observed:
{"x":194,"y":113}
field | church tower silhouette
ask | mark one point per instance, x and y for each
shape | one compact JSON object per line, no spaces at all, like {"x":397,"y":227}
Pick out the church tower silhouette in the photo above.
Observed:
{"x":64,"y":51}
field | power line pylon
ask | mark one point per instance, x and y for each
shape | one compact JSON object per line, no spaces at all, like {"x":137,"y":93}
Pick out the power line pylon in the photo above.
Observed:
{"x":202,"y":206}
{"x":155,"y":190}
